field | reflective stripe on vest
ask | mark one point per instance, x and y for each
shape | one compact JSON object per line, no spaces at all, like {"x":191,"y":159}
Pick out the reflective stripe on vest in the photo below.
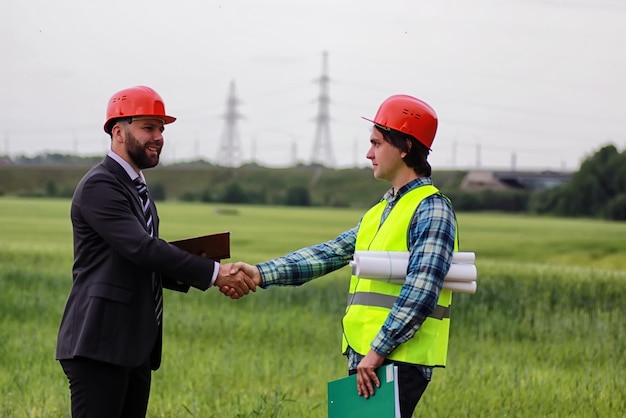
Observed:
{"x":387,"y":301}
{"x":371,"y":301}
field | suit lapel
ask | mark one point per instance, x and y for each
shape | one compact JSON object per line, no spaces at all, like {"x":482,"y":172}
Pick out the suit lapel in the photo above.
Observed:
{"x":118,"y":171}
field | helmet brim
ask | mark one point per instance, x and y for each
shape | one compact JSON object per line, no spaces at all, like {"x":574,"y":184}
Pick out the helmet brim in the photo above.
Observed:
{"x":376,"y":123}
{"x":166,"y":120}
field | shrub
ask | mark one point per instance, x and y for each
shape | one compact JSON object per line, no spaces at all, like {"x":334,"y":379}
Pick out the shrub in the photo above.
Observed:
{"x":298,"y":196}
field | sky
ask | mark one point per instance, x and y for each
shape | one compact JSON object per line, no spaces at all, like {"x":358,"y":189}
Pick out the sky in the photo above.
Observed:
{"x":516,"y":84}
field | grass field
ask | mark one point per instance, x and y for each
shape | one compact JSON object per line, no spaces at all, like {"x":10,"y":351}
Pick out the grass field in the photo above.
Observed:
{"x":542,"y":337}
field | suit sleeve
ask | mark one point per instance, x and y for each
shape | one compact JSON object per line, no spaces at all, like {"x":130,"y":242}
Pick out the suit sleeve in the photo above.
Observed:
{"x":113,"y":212}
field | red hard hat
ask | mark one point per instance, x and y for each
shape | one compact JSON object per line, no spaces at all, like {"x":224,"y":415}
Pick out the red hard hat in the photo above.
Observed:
{"x":408,"y":115}
{"x":136,"y":101}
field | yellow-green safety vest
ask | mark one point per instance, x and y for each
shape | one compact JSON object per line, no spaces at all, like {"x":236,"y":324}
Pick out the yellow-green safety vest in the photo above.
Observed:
{"x":370,"y":301}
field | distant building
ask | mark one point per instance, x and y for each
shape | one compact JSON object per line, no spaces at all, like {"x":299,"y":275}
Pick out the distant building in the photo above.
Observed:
{"x":513,"y":180}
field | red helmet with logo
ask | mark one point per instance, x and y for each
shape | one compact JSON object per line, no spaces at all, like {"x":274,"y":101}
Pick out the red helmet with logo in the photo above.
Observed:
{"x":408,"y":115}
{"x":135,"y":101}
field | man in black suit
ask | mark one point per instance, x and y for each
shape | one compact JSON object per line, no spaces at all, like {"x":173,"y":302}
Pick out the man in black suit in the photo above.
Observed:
{"x":111,"y":332}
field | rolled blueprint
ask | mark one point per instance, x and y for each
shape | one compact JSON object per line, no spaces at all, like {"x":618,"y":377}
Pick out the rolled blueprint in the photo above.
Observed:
{"x":460,"y":287}
{"x":392,"y":267}
{"x":394,"y":270}
{"x":464,"y":257}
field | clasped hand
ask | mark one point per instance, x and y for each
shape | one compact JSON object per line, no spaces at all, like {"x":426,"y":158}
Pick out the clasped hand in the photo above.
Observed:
{"x":236,"y":280}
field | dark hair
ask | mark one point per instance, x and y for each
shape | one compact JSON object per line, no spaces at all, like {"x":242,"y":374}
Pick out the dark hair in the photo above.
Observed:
{"x":416,"y":152}
{"x":109,"y":127}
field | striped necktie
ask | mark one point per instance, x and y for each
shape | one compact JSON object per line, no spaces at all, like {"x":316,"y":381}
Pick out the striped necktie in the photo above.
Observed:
{"x":142,"y":189}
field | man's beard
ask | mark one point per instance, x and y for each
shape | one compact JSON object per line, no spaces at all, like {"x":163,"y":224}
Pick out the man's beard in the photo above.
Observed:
{"x":138,"y":153}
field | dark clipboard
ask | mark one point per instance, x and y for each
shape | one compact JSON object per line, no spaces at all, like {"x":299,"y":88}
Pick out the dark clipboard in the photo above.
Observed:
{"x":215,"y":246}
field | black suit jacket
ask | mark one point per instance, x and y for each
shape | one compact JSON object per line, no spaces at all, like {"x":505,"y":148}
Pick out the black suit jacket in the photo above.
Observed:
{"x":109,"y":315}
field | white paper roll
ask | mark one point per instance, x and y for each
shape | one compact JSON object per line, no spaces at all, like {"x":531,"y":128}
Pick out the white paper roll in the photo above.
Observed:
{"x":465,"y":286}
{"x":382,"y":268}
{"x":396,"y":272}
{"x":461,"y":273}
{"x":390,"y":266}
{"x":396,"y":268}
{"x":463,"y":257}
{"x":460,"y":287}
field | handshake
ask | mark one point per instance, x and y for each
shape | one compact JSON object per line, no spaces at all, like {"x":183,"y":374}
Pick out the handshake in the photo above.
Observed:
{"x":236,"y":280}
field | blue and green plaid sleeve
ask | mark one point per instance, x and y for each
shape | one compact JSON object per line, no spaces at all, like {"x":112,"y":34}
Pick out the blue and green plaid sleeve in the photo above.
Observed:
{"x":305,"y":264}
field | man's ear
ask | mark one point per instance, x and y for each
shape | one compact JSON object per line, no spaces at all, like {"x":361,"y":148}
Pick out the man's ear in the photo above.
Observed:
{"x":116,"y":133}
{"x":409,"y":145}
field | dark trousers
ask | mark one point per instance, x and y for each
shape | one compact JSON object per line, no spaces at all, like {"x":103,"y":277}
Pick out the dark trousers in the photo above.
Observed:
{"x":411,"y":387}
{"x":102,"y":390}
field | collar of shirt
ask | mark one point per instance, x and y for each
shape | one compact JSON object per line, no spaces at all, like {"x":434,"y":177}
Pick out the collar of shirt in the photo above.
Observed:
{"x":392,"y":197}
{"x":129,"y":170}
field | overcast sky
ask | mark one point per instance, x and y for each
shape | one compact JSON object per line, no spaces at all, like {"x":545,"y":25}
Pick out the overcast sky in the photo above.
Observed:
{"x":540,"y":84}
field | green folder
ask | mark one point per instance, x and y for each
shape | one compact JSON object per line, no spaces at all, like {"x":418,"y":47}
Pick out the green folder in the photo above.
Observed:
{"x":345,"y":402}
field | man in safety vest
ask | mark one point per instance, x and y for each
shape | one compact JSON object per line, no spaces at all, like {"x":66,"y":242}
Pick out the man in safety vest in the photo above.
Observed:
{"x":407,"y":324}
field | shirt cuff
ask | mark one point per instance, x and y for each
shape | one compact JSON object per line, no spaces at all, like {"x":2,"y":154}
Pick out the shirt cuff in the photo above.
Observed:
{"x":269,"y":273}
{"x":216,"y":271}
{"x":383,"y":344}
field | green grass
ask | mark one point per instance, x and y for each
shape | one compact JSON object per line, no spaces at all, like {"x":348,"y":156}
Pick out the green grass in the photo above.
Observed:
{"x":542,"y":337}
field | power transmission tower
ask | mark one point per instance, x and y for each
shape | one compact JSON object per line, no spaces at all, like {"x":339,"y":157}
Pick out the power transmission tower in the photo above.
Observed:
{"x":322,"y":149}
{"x":6,"y":143}
{"x":230,"y":153}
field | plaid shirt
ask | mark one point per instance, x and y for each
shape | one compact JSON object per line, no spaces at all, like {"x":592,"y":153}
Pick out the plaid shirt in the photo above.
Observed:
{"x":430,"y":242}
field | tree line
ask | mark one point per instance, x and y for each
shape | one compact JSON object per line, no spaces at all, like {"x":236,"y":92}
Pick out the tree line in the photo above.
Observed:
{"x":596,"y":190}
